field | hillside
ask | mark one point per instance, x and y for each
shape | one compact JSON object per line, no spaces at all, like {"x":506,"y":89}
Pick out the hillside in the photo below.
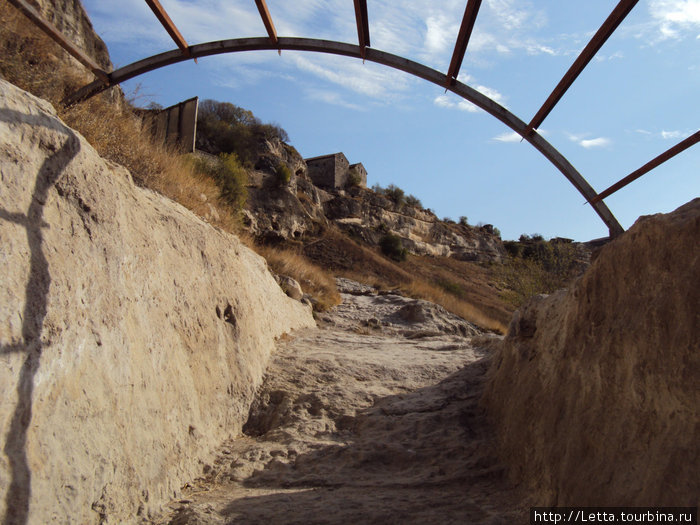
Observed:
{"x":299,"y":226}
{"x":246,"y":337}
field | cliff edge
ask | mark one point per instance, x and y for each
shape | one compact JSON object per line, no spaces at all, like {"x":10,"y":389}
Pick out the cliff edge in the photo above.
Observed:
{"x":133,"y":335}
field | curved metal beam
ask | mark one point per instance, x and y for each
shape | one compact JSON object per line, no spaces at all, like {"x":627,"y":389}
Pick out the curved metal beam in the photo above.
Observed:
{"x":380,"y":57}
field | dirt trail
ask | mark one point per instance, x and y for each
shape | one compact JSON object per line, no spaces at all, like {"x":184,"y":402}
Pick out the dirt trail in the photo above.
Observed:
{"x":371,"y":418}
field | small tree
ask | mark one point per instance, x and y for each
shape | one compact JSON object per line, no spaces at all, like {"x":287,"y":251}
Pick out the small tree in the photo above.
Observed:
{"x":414,"y":201}
{"x":230,"y":176}
{"x":395,"y":194}
{"x":464,"y":221}
{"x":284,"y":174}
{"x":354,"y":178}
{"x":392,"y":247}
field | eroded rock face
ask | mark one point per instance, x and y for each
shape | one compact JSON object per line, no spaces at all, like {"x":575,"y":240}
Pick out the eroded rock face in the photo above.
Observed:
{"x":70,"y":18}
{"x":295,"y":210}
{"x":596,"y":391}
{"x":133,"y":334}
{"x":365,"y":214}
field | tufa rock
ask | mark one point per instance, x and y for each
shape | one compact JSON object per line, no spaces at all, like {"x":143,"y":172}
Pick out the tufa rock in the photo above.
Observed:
{"x":291,"y":287}
{"x":595,"y":393}
{"x":133,"y":333}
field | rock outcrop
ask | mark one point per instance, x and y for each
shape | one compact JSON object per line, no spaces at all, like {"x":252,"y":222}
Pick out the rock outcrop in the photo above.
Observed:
{"x":595,"y":392}
{"x":365,"y":214}
{"x":133,"y":335}
{"x":70,"y":18}
{"x":300,"y":208}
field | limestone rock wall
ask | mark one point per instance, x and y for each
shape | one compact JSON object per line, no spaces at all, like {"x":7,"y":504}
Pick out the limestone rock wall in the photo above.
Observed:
{"x":596,"y":392}
{"x":70,"y":18}
{"x":132,"y":334}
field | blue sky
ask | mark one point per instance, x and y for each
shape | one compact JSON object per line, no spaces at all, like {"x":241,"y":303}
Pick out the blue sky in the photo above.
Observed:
{"x":636,"y":99}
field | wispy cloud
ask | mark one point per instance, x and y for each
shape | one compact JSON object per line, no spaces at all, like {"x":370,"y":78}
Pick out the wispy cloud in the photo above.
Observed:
{"x":508,"y":137}
{"x":453,"y":102}
{"x":333,"y":98}
{"x":445,"y":101}
{"x":675,"y":18}
{"x":581,"y":140}
{"x":595,"y":143}
{"x":675,"y":134}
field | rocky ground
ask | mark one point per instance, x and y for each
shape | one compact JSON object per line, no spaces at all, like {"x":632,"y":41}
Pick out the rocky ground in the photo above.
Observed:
{"x":373,"y":417}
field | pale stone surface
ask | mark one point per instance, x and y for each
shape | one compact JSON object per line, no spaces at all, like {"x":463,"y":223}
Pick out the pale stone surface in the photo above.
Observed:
{"x":291,"y":287}
{"x":596,"y":391}
{"x":133,"y":335}
{"x":360,"y":426}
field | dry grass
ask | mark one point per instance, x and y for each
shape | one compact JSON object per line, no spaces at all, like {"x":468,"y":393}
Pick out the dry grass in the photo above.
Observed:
{"x":312,"y":278}
{"x":36,"y":64}
{"x":119,"y":137}
{"x":466,"y":310}
{"x":417,"y":277}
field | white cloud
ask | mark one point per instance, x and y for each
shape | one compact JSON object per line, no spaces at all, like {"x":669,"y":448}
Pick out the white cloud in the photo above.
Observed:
{"x":440,"y":34}
{"x":675,"y":134}
{"x":511,"y":136}
{"x":444,"y":101}
{"x":366,"y":79}
{"x":587,"y":143}
{"x":493,"y":94}
{"x":332,"y":97}
{"x":448,"y":101}
{"x":594,"y":143}
{"x":675,"y":18}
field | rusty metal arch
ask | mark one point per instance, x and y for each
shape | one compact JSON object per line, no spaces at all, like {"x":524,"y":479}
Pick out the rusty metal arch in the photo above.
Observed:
{"x":380,"y":57}
{"x":528,"y":132}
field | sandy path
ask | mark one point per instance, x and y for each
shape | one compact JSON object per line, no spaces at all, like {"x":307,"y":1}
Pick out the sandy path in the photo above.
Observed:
{"x":362,"y":424}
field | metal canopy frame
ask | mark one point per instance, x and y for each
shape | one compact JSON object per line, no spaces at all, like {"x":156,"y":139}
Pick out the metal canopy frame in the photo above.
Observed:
{"x":164,"y":19}
{"x":471,"y":11}
{"x":267,"y":20}
{"x":365,"y":52}
{"x":362,"y":25}
{"x":608,"y":28}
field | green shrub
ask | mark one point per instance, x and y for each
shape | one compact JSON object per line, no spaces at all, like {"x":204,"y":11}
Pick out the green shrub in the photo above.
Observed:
{"x":395,"y":194}
{"x":536,"y":266}
{"x":392,"y":247}
{"x":284,"y":174}
{"x":450,"y":287}
{"x":464,"y":221}
{"x":414,"y":201}
{"x":230,"y":176}
{"x":354,"y":178}
{"x":223,"y":127}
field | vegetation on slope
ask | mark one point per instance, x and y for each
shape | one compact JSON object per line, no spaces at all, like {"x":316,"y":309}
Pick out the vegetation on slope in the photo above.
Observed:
{"x":216,"y":192}
{"x":536,"y":266}
{"x":216,"y":189}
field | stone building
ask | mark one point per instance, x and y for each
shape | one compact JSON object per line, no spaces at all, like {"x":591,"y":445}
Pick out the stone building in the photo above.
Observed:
{"x":361,"y":172}
{"x":332,"y":171}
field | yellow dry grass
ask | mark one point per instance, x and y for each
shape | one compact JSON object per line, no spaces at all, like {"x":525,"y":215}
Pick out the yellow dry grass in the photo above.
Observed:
{"x":423,"y":290}
{"x":312,"y":278}
{"x":414,"y":277}
{"x":35,"y":63}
